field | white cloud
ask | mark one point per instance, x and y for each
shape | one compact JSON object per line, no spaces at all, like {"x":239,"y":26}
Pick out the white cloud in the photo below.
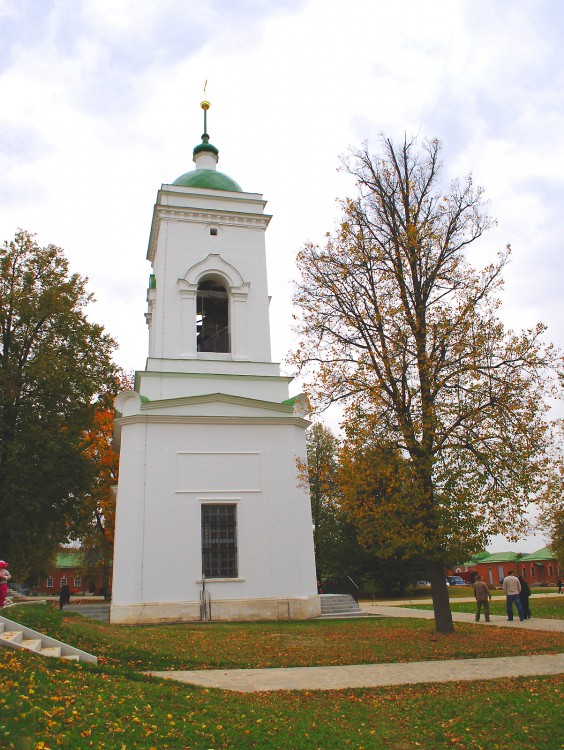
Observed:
{"x":100,"y":106}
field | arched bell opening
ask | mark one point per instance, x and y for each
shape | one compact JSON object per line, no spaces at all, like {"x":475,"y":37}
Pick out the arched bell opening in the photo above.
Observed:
{"x":212,"y":316}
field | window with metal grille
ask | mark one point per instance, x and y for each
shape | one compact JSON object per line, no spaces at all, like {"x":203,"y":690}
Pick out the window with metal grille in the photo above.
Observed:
{"x":219,"y":541}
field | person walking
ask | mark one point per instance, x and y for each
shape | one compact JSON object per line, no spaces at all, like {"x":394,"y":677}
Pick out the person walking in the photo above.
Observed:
{"x":4,"y":578}
{"x":483,"y":597}
{"x":64,"y":596}
{"x":512,"y":589}
{"x":524,"y":596}
{"x":559,"y":582}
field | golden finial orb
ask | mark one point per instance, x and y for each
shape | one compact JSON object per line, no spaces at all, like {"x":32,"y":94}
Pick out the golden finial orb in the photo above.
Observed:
{"x":205,"y":105}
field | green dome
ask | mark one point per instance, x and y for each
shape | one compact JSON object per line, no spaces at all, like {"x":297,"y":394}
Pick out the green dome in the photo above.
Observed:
{"x":208,"y":179}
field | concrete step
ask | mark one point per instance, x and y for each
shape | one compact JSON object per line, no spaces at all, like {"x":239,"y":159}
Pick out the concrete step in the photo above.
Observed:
{"x":16,"y":636}
{"x":335,"y":606}
{"x":12,"y":636}
{"x":346,"y":615}
{"x":32,"y":644}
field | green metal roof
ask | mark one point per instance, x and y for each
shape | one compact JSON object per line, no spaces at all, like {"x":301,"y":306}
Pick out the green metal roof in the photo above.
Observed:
{"x":69,"y":559}
{"x":208,"y":179}
{"x":205,"y":146}
{"x":545,"y":553}
{"x":479,"y":556}
{"x":502,"y":557}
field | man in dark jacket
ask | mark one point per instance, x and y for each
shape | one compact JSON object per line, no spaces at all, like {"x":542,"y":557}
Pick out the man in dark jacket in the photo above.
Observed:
{"x":64,"y":596}
{"x":524,"y":596}
{"x":483,"y":597}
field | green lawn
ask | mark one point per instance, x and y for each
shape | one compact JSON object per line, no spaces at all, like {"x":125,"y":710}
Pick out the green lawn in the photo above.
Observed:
{"x":278,"y":644}
{"x":46,"y":703}
{"x":456,"y":592}
{"x":551,"y":608}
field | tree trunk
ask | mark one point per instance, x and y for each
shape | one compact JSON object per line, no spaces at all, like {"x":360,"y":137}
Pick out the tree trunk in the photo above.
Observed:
{"x":439,"y":592}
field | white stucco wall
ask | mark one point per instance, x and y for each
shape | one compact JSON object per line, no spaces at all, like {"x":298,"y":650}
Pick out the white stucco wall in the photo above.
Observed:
{"x":169,"y":470}
{"x":210,"y":428}
{"x":182,"y":242}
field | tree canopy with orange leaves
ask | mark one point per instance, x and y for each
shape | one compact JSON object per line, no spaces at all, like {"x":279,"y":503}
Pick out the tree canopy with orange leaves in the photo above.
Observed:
{"x":53,"y":364}
{"x":447,"y":410}
{"x":96,"y":528}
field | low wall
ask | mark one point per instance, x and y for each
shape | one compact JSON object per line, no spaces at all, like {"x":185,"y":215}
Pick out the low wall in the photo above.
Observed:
{"x":232,"y":610}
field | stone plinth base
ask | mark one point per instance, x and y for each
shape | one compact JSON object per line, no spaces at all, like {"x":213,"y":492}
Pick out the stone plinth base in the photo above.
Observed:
{"x":226,"y":610}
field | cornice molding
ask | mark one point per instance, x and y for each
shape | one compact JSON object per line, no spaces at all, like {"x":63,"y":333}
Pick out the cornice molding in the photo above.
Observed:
{"x":205,"y":216}
{"x":214,"y":376}
{"x":197,"y":419}
{"x":256,"y":222}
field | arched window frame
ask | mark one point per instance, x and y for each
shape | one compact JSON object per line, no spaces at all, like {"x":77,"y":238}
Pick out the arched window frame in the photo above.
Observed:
{"x":214,"y":266}
{"x":218,"y":340}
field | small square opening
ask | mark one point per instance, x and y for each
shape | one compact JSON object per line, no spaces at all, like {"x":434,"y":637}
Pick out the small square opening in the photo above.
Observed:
{"x":213,"y":231}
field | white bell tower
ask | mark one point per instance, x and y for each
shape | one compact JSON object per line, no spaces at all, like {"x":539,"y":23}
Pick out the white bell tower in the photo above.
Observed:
{"x":209,"y":505}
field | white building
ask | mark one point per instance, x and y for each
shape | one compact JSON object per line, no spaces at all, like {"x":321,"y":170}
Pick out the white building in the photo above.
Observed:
{"x":208,"y":486}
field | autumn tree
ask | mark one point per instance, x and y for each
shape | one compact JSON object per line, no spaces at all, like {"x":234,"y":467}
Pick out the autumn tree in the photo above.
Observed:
{"x":551,"y":516}
{"x":395,"y":322}
{"x":345,"y":556}
{"x":53,"y":363}
{"x":556,"y":531}
{"x":96,"y":525}
{"x":377,"y":492}
{"x":320,"y":476}
{"x":378,"y":502}
{"x":553,"y":512}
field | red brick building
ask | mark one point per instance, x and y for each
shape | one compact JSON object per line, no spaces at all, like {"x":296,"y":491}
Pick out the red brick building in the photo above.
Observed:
{"x":67,"y":570}
{"x":540,"y":568}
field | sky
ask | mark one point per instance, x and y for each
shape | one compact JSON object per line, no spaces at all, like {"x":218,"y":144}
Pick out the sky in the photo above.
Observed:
{"x":100,"y":106}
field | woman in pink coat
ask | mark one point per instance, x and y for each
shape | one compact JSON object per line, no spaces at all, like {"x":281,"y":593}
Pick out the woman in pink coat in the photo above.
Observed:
{"x":4,"y":578}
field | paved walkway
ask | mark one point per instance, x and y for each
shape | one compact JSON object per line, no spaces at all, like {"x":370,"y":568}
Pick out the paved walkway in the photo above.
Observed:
{"x":369,"y":675}
{"x":373,"y":675}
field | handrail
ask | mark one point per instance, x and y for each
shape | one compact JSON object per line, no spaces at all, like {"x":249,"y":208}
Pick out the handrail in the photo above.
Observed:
{"x":205,"y":602}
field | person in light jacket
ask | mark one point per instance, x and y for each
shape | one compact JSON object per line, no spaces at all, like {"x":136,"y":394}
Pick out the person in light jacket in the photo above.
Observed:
{"x":512,"y":589}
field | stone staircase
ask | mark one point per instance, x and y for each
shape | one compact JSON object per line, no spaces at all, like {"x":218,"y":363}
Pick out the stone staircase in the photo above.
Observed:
{"x":16,"y":636}
{"x":340,"y":606}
